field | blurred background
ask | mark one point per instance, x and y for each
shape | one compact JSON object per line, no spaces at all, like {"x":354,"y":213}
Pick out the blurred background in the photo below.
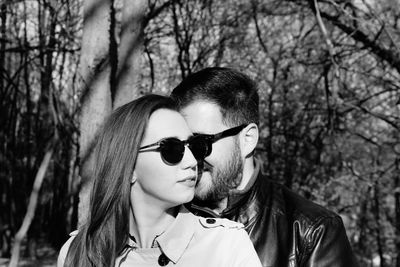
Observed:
{"x":329,"y":80}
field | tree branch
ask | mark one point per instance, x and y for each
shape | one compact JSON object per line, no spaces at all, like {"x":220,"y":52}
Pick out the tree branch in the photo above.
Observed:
{"x":30,"y":213}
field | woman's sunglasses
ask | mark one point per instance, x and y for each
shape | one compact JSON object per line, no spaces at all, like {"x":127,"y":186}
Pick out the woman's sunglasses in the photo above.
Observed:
{"x":172,"y":149}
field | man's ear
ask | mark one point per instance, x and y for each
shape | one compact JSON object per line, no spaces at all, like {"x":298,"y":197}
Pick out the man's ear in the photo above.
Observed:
{"x":249,"y":139}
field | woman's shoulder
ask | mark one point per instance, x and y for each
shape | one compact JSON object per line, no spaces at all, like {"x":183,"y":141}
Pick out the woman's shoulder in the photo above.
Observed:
{"x":207,"y":223}
{"x":64,"y":249}
{"x":220,"y":228}
{"x":223,"y":236}
{"x":210,"y":230}
{"x":212,"y":223}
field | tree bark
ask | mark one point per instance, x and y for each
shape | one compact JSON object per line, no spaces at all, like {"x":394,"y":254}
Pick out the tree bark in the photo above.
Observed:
{"x":130,"y":49}
{"x":95,"y":83}
{"x":109,"y":73}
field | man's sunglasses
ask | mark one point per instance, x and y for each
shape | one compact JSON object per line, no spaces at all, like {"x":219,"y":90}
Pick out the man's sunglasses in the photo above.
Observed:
{"x":209,"y":139}
{"x":172,"y":149}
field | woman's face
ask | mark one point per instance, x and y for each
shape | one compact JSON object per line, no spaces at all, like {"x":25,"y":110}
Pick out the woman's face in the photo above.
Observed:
{"x":157,"y":182}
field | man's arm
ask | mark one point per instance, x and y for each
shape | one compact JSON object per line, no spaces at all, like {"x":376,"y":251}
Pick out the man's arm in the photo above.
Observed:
{"x":327,"y":245}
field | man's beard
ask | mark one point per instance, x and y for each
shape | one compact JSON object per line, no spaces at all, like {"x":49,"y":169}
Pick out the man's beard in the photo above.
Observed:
{"x":223,"y":179}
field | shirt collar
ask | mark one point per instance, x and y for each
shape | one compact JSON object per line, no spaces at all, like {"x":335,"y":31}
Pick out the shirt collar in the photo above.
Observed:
{"x":176,"y":238}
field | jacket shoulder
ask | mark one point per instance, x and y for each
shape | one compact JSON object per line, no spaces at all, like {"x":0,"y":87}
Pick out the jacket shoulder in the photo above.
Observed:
{"x":302,"y":208}
{"x":290,"y":204}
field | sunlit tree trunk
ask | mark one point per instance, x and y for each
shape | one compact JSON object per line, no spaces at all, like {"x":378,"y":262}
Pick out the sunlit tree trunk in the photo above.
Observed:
{"x":130,"y":49}
{"x":95,"y":75}
{"x":109,"y":72}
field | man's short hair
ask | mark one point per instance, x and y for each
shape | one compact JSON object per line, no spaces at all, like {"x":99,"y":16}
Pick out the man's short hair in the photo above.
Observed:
{"x":234,"y":92}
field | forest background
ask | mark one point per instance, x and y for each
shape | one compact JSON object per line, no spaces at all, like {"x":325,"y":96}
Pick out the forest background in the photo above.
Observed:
{"x":329,"y":81}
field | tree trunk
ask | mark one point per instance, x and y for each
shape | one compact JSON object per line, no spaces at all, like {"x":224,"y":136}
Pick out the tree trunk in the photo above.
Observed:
{"x":108,"y":79}
{"x":95,"y":83}
{"x":130,"y":49}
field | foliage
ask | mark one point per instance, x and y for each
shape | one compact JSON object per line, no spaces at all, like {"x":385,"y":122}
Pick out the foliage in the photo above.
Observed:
{"x":38,"y":58}
{"x":329,"y":80}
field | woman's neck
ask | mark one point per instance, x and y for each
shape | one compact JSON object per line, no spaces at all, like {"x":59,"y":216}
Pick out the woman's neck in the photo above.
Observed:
{"x":146,"y":223}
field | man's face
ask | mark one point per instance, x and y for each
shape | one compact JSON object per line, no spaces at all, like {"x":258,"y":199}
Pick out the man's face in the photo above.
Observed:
{"x":223,"y":168}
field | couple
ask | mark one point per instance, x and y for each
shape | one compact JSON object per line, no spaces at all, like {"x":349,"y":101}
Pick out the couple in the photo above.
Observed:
{"x":148,"y":164}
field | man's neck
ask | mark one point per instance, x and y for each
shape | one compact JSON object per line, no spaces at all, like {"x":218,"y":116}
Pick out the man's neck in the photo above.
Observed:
{"x":248,"y":171}
{"x":221,"y":206}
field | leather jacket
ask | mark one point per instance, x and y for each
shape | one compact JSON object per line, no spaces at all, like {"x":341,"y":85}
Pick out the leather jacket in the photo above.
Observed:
{"x":285,"y":228}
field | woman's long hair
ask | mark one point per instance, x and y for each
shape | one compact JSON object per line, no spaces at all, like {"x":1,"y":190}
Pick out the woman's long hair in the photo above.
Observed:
{"x":104,"y":235}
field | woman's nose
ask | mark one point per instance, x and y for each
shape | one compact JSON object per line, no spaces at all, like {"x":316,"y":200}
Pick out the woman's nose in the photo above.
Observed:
{"x":188,"y":161}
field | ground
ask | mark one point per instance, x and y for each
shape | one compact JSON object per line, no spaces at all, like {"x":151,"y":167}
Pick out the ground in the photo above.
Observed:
{"x":46,"y":257}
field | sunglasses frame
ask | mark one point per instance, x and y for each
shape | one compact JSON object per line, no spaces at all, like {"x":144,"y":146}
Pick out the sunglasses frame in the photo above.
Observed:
{"x":212,"y":138}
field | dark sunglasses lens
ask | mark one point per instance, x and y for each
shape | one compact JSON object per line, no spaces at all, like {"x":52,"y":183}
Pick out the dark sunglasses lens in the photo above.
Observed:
{"x":172,"y":150}
{"x":199,"y":147}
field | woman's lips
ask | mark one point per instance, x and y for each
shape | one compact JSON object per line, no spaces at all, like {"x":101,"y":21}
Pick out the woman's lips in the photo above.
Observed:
{"x":189,"y":181}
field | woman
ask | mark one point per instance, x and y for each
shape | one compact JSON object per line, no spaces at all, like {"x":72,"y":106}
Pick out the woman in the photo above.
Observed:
{"x":143,"y":173}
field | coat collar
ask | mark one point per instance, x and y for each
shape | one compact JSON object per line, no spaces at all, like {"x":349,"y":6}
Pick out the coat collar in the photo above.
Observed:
{"x":176,"y":238}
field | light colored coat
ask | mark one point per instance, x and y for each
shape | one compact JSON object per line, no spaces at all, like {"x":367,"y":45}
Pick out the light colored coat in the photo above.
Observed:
{"x":190,"y":241}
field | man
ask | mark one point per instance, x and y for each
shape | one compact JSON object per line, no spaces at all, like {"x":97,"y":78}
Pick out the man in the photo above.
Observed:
{"x":286,"y":229}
